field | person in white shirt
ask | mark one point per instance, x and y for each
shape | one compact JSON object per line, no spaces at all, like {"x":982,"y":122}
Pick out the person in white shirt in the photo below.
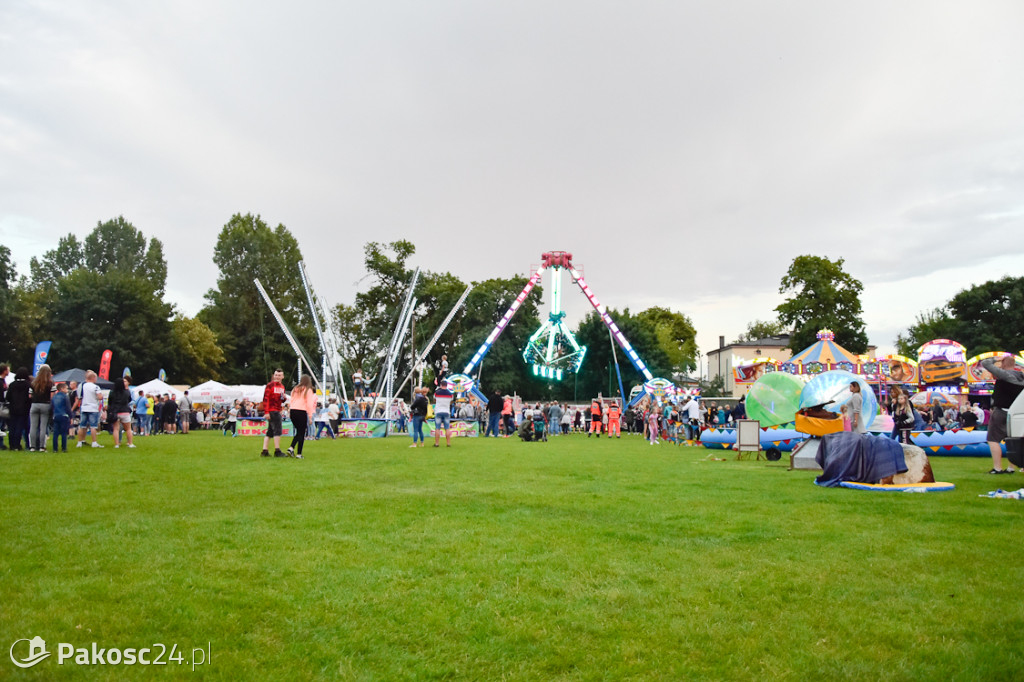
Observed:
{"x":232,"y":421}
{"x":333,"y":413}
{"x":91,"y":399}
{"x":693,"y":418}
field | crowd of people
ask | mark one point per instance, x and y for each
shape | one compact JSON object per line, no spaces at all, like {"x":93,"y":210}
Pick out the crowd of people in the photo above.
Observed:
{"x":37,"y":410}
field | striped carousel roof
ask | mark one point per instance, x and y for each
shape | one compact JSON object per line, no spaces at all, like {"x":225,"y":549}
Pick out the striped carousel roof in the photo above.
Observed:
{"x":825,"y":350}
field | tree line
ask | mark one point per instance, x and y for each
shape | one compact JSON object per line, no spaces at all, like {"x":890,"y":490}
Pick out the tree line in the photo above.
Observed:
{"x":983,"y":317}
{"x":108,"y":291}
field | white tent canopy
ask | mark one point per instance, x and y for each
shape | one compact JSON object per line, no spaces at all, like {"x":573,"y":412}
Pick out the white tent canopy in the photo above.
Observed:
{"x":250,"y":392}
{"x":156,"y":387}
{"x":213,"y":392}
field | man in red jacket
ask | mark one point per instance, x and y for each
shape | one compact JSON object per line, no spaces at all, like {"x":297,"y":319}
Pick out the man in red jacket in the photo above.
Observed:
{"x":273,"y":400}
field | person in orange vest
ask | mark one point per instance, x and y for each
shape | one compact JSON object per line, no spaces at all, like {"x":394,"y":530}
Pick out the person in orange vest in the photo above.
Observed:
{"x":614,"y":420}
{"x":595,"y":417}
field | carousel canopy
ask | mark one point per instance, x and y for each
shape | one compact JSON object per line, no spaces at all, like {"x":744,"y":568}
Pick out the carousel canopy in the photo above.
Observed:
{"x":826,"y":350}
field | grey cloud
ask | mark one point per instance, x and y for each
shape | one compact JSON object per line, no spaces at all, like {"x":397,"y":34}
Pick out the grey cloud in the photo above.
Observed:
{"x":681,"y":150}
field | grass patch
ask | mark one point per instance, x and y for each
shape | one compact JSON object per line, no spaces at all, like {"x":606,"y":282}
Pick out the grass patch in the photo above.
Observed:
{"x":578,"y":559}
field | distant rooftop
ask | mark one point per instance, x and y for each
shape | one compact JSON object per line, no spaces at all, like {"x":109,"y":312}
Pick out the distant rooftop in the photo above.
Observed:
{"x":772,"y":341}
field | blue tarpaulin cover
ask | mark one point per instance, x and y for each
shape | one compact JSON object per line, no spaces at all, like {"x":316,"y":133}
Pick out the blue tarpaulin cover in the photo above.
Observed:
{"x":858,"y":457}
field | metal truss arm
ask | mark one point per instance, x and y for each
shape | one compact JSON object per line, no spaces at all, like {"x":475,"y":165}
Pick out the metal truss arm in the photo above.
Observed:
{"x":500,"y":327}
{"x":610,"y":323}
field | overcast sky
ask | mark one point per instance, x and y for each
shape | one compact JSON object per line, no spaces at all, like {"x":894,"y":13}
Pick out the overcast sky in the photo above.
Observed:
{"x":685,"y":152}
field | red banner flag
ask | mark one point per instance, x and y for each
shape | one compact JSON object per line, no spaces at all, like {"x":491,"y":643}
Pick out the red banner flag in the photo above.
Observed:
{"x":105,"y":364}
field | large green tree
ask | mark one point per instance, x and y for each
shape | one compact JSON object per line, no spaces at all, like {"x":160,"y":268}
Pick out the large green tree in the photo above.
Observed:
{"x":57,"y":263}
{"x":503,"y":368}
{"x":197,"y":357}
{"x":598,"y":371}
{"x":114,"y":245}
{"x":116,"y":310}
{"x":984,"y":317}
{"x":932,"y":324}
{"x":8,"y":294}
{"x":253,"y":344}
{"x":676,"y":336}
{"x":822,"y":295}
{"x":59,"y":301}
{"x":365,"y":328}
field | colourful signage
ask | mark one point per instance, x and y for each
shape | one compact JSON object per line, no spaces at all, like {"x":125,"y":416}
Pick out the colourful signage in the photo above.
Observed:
{"x":257,"y":426}
{"x":362,"y":428}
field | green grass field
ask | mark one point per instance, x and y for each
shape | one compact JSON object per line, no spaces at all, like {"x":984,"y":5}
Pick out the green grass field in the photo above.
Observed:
{"x":495,"y":559}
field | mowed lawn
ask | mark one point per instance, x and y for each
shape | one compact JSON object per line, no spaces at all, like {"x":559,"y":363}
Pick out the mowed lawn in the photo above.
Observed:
{"x":578,"y":559}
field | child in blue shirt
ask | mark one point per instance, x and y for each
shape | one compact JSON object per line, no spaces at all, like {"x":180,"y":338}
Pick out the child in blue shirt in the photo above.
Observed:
{"x":61,"y":417}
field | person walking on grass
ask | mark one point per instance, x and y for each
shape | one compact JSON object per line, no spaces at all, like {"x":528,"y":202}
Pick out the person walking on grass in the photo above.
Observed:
{"x":273,"y":401}
{"x":231,"y":423}
{"x":653,"y":422}
{"x":494,"y":405}
{"x":443,"y":414}
{"x":595,"y":417}
{"x":120,"y":411}
{"x":185,"y":410}
{"x":554,"y":419}
{"x":1009,"y":384}
{"x":39,"y":413}
{"x":19,"y":402}
{"x":91,"y":400}
{"x":419,"y":413}
{"x":507,"y":418}
{"x":857,"y":419}
{"x":61,"y":417}
{"x":4,"y":427}
{"x":323,"y":422}
{"x":614,"y":420}
{"x":169,"y":414}
{"x":302,"y":406}
{"x":142,"y":413}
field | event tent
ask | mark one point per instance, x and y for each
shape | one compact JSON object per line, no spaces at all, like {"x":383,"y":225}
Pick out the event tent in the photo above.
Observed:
{"x":251,"y":392}
{"x":78,"y":375}
{"x":213,"y":392}
{"x":156,"y":387}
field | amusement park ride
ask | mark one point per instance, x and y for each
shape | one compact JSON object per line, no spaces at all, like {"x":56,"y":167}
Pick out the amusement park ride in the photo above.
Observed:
{"x":552,"y":350}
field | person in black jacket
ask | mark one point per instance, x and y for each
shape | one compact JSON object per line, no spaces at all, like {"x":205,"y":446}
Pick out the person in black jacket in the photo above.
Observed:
{"x":119,"y":411}
{"x":494,"y":407}
{"x":419,"y":413}
{"x":19,"y":403}
{"x":4,"y":371}
{"x":39,"y":412}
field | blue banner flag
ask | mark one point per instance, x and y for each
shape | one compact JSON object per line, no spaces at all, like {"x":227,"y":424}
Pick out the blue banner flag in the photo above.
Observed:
{"x":42,"y":353}
{"x":163,"y":375}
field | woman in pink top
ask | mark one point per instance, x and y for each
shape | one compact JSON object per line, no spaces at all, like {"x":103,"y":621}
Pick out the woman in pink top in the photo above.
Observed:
{"x":652,"y":425}
{"x":302,"y":407}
